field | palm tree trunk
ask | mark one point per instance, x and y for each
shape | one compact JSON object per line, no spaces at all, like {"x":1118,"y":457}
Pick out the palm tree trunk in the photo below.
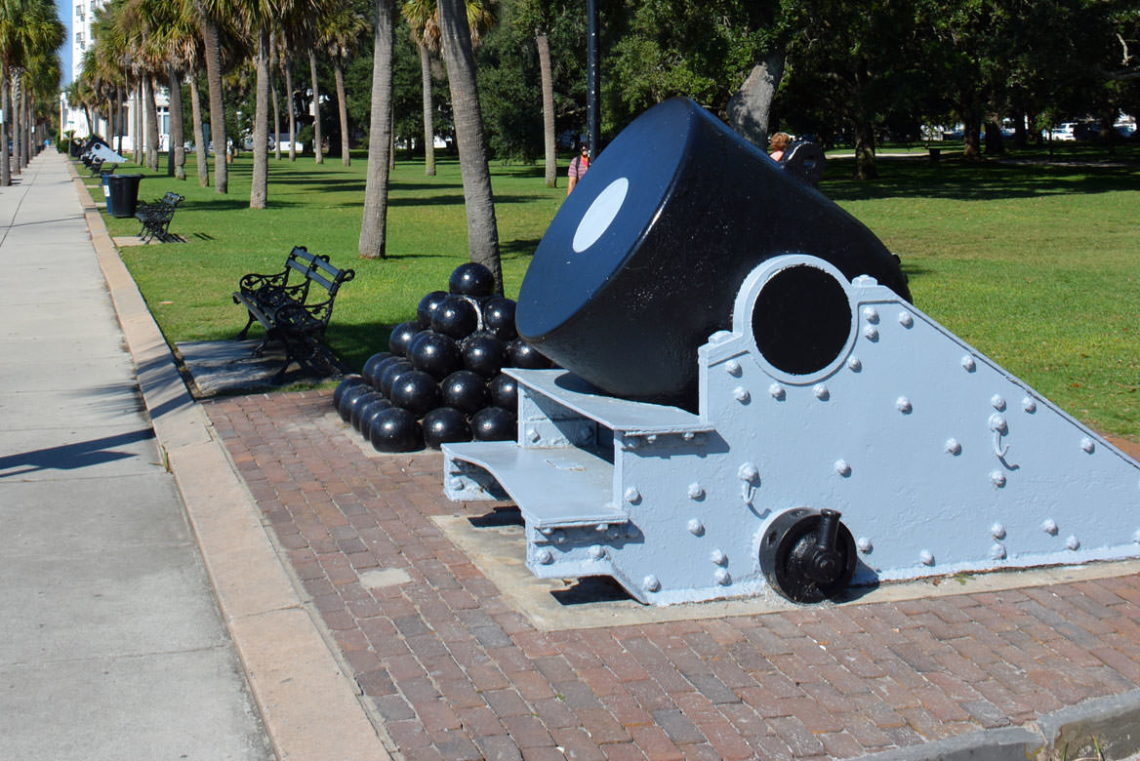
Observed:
{"x":217,"y":107}
{"x":117,"y":120}
{"x":137,"y":126}
{"x":259,"y":188}
{"x":15,"y":99}
{"x":429,"y":110}
{"x":547,"y":77}
{"x":5,"y":163}
{"x":22,"y":126}
{"x":200,"y":141}
{"x":177,"y":138}
{"x":292,"y":111}
{"x":151,"y":117}
{"x":342,"y":110}
{"x":373,"y":227}
{"x":273,"y":96}
{"x":318,"y":139}
{"x":482,"y":229}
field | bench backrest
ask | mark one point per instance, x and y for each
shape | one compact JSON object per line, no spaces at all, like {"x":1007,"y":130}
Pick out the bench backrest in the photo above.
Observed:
{"x":315,"y":268}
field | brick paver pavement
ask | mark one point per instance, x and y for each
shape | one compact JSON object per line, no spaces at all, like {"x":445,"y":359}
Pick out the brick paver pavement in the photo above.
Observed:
{"x":457,"y":674}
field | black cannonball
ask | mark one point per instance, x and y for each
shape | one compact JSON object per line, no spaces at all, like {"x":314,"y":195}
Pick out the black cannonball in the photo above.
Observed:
{"x":504,"y":392}
{"x":499,"y":318}
{"x":395,"y":430}
{"x":374,"y":370}
{"x":401,"y":336}
{"x":444,"y":425}
{"x":390,"y":372}
{"x":521,"y":354}
{"x":356,"y":414}
{"x":415,"y":391}
{"x":350,"y":398}
{"x":484,"y":354}
{"x":369,"y":414}
{"x":466,"y":391}
{"x":373,"y":364}
{"x":493,"y":424}
{"x":348,"y":382}
{"x":427,"y":307}
{"x":435,"y":353}
{"x":471,"y":279}
{"x":455,"y":317}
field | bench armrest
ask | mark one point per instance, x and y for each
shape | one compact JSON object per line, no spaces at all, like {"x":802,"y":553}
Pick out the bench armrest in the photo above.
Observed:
{"x":254,"y":282}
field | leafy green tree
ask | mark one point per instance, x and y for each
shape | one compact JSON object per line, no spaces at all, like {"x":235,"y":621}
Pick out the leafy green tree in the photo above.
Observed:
{"x":725,"y":54}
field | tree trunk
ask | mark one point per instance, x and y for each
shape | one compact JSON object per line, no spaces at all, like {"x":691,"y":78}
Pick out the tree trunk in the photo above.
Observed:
{"x":15,"y":99}
{"x":199,"y":136}
{"x":318,"y":139}
{"x":750,"y":108}
{"x":151,"y":117}
{"x":429,"y":110}
{"x":995,"y":143}
{"x":137,"y":153}
{"x":5,"y":94}
{"x":259,"y":185}
{"x":117,"y":120}
{"x":177,"y":138}
{"x":292,"y":110}
{"x":373,"y":227}
{"x":342,"y":110}
{"x":865,"y":167}
{"x":547,"y":78}
{"x":274,"y":96}
{"x":482,"y":229}
{"x":217,"y":107}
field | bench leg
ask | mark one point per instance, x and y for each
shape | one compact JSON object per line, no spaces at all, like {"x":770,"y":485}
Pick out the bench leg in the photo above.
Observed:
{"x":245,"y":331}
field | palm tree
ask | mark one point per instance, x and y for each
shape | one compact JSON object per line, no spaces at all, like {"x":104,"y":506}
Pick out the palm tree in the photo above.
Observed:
{"x":423,"y":19}
{"x":27,"y":28}
{"x":315,"y":85}
{"x":259,"y":17}
{"x":340,"y":33}
{"x":206,"y":13}
{"x":482,"y":229}
{"x":373,"y":226}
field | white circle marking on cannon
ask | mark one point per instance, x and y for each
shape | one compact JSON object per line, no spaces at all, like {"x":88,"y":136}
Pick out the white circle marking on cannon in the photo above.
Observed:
{"x":601,"y":214}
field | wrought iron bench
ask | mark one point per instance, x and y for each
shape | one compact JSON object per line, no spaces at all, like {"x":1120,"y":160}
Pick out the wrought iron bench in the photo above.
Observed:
{"x":156,"y":216}
{"x":294,"y":307}
{"x":99,"y":166}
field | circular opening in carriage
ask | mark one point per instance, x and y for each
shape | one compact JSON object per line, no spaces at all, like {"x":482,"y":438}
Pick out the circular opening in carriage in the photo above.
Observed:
{"x":801,"y":320}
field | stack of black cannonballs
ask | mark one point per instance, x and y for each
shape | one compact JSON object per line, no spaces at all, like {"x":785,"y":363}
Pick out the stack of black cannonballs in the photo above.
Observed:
{"x":441,"y":379}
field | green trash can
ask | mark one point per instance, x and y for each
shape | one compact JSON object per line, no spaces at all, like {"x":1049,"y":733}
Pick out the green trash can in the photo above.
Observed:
{"x":124,"y":197}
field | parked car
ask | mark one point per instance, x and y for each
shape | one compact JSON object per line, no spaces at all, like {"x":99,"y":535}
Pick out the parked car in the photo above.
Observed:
{"x":1066,"y":131}
{"x":283,"y":143}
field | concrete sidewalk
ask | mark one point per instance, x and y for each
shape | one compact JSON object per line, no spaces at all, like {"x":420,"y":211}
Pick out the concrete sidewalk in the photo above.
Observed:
{"x":145,"y":614}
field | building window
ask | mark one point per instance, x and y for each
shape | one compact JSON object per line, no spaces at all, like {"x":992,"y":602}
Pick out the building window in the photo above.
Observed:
{"x":79,"y":12}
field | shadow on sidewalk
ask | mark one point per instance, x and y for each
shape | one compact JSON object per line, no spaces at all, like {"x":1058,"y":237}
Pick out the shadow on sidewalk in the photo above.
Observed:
{"x":73,"y":456}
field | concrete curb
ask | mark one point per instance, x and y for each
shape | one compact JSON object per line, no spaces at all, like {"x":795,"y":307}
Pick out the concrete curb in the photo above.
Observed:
{"x":1110,"y":725}
{"x":309,"y":705}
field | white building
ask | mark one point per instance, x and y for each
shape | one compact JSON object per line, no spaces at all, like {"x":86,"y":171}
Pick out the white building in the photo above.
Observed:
{"x":74,"y":120}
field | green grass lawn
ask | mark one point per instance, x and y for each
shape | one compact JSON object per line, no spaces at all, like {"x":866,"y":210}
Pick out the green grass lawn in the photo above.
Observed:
{"x":1036,"y":264}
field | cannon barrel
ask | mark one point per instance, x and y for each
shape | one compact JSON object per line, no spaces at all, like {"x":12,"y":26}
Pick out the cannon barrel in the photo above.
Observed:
{"x":642,"y":262}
